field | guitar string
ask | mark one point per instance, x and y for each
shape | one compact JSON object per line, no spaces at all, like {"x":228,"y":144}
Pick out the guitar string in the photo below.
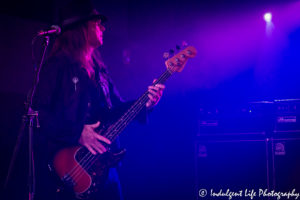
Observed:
{"x":91,"y":157}
{"x":144,"y":97}
{"x":120,"y":122}
{"x":90,"y":160}
{"x":142,"y":100}
{"x":84,"y":162}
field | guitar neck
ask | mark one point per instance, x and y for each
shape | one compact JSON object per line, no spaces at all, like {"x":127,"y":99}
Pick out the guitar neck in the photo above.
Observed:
{"x":115,"y":129}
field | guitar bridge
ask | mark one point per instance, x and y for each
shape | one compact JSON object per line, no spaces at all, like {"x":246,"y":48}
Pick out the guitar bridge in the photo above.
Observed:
{"x":68,"y":181}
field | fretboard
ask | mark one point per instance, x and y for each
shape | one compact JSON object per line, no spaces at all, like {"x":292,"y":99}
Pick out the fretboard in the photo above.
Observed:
{"x":115,"y":129}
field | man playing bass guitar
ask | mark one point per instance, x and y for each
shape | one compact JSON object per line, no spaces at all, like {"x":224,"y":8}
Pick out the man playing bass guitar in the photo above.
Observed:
{"x":74,"y":96}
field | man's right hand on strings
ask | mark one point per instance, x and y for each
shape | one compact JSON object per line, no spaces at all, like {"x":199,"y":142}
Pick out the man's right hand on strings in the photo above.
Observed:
{"x":90,"y":139}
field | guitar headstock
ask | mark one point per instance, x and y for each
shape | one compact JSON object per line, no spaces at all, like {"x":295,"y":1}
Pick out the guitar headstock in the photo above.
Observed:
{"x":178,"y":61}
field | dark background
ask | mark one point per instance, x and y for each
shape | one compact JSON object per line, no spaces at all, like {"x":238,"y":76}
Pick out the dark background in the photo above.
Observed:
{"x":237,"y":62}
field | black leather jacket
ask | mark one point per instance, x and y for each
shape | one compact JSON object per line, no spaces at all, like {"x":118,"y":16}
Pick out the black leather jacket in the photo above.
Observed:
{"x":66,"y":99}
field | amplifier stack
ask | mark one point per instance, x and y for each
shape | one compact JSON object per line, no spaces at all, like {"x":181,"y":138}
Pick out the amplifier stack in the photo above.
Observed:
{"x":253,"y":146}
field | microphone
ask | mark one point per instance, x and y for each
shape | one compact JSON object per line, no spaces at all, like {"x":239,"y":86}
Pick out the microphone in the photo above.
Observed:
{"x":54,"y":29}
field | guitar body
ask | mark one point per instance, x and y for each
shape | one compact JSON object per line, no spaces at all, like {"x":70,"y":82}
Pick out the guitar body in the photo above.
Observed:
{"x":83,"y":173}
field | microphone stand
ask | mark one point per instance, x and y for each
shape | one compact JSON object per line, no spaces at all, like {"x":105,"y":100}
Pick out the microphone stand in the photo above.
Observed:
{"x":28,"y":120}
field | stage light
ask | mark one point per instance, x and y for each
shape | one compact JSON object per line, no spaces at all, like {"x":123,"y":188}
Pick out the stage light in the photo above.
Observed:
{"x":268,"y":17}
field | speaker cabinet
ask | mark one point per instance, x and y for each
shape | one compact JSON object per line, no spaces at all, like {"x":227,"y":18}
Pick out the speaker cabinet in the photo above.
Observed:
{"x":286,"y":164}
{"x":231,"y":164}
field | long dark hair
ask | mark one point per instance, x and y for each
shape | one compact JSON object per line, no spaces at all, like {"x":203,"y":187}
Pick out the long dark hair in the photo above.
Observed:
{"x":73,"y":42}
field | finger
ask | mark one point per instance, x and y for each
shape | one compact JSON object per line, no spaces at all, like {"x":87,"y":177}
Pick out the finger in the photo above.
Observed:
{"x":159,"y":92}
{"x":151,"y":98}
{"x":95,"y":125}
{"x":102,"y":138}
{"x":154,"y":94}
{"x":152,"y":101}
{"x":151,"y":87}
{"x":156,"y":88}
{"x":90,"y":149}
{"x":160,"y":86}
{"x":99,"y":147}
{"x":154,"y":91}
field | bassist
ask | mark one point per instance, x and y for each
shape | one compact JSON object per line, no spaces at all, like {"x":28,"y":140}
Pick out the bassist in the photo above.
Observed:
{"x":74,"y":96}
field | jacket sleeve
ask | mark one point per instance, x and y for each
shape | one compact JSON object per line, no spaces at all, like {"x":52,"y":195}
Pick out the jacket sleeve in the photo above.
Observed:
{"x":120,"y":106}
{"x":47,"y":100}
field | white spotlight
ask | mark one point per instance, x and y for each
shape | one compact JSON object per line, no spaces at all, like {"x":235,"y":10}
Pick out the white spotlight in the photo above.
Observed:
{"x":268,"y":17}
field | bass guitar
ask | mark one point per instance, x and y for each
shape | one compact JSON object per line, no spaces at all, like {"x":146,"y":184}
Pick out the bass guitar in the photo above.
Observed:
{"x":83,"y":172}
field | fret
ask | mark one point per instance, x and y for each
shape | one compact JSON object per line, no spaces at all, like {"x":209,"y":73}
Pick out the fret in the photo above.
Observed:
{"x":174,"y":64}
{"x":114,"y":130}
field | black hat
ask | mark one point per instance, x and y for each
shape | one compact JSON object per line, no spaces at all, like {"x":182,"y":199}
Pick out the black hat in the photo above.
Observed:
{"x":77,"y":12}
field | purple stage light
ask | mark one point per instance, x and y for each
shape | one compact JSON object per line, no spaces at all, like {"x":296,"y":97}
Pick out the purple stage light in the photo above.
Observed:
{"x":269,"y":23}
{"x":268,"y":17}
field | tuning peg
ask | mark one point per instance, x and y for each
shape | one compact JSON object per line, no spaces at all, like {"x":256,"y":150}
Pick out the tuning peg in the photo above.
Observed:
{"x":184,"y":44}
{"x":178,"y":47}
{"x":166,"y":55}
{"x":182,"y":56}
{"x":189,"y":52}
